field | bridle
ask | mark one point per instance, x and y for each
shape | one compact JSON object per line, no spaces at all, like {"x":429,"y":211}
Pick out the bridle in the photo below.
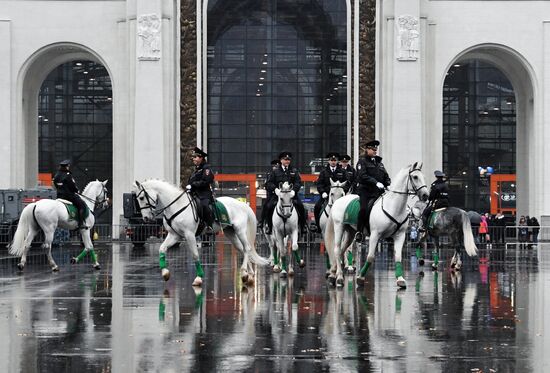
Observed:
{"x":281,"y":207}
{"x":95,"y":201}
{"x":415,"y":190}
{"x":331,"y":201}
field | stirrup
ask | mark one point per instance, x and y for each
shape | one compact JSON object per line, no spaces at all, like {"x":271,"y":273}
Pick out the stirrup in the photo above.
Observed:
{"x":359,"y":237}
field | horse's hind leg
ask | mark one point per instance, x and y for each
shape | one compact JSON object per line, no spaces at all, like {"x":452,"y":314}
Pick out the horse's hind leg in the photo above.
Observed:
{"x":373,"y":242}
{"x":28,"y":242}
{"x":48,"y":239}
{"x":235,"y":240}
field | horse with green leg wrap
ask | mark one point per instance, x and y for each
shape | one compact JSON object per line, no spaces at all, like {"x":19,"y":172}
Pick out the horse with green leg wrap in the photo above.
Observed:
{"x":177,"y":206}
{"x":388,"y":218}
{"x":48,"y":214}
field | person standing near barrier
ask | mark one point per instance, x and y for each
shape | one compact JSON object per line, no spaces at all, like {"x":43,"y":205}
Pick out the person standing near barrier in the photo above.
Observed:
{"x":534,"y":224}
{"x":499,"y":225}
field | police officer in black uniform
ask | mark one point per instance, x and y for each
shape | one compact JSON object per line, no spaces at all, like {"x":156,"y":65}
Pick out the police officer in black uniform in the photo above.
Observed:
{"x":350,"y":172}
{"x":372,"y":180}
{"x":285,"y":172}
{"x":331,"y":171}
{"x":66,"y":188}
{"x":200,"y":184}
{"x":439,"y":197}
{"x":269,"y":194}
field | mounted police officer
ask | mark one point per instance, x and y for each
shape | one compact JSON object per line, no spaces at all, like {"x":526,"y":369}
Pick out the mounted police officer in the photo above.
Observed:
{"x":200,"y":183}
{"x":285,"y":172}
{"x":269,"y":194}
{"x":439,"y":197}
{"x":66,"y":188}
{"x":331,"y":171}
{"x":372,"y":180}
{"x":350,"y":172}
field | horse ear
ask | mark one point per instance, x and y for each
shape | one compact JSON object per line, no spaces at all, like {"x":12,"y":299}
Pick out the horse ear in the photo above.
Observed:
{"x":280,"y":185}
{"x":413,"y":166}
{"x":420,"y":164}
{"x":277,"y":192}
{"x":290,"y":186}
{"x":292,"y":193}
{"x":137,"y":184}
{"x":333,"y":183}
{"x":105,"y":182}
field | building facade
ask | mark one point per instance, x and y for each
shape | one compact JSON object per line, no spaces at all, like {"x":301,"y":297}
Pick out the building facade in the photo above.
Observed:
{"x":458,"y":85}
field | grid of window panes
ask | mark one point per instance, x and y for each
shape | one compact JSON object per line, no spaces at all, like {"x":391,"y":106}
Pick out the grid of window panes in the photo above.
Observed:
{"x":75,"y":121}
{"x":479,"y":130}
{"x":276,"y":82}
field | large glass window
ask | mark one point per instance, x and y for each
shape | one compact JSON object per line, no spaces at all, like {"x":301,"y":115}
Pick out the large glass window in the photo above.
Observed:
{"x":277,"y":81}
{"x":479,"y":130}
{"x":75,"y":121}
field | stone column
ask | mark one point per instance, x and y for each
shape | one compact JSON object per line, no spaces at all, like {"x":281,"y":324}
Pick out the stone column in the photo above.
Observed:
{"x":5,"y":103}
{"x":149,"y":121}
{"x":401,"y":132}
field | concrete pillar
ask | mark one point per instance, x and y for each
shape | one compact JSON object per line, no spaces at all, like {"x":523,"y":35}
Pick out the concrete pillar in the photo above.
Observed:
{"x":541,"y":169}
{"x":5,"y":103}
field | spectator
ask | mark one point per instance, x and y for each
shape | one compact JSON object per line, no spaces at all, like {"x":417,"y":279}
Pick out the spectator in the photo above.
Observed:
{"x":534,"y":224}
{"x":523,"y":232}
{"x":499,"y":225}
{"x":484,"y":230}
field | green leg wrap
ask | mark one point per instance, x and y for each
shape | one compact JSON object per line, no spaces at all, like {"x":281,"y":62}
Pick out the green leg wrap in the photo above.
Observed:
{"x":198,"y":268}
{"x":364,"y":270}
{"x":93,"y":255}
{"x":283,"y":259}
{"x":435,"y":255}
{"x":398,"y":269}
{"x":327,"y":260}
{"x":397,"y":303}
{"x":297,"y":256}
{"x":276,"y":258}
{"x":162,"y":310}
{"x":162,"y":260}
{"x":418,"y":253}
{"x":350,"y":258}
{"x":82,"y":255}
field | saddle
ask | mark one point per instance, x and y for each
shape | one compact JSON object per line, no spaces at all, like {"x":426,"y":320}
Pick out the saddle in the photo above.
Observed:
{"x":72,"y":210}
{"x":433,"y":216}
{"x":351,"y":216}
{"x":218,"y":210}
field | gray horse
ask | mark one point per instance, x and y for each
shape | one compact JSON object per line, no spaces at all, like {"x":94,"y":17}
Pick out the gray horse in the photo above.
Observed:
{"x":452,"y":222}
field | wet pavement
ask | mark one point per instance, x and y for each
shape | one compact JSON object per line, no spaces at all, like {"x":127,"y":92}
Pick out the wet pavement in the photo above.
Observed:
{"x":124,"y":318}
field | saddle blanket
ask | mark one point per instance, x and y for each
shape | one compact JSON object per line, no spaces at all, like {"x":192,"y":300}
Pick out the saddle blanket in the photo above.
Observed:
{"x":352,"y":212}
{"x":72,"y":210}
{"x":221,"y":214}
{"x":433,"y":217}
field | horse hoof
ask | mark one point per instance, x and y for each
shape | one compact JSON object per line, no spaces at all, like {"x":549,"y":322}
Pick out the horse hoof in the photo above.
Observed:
{"x":20,"y":266}
{"x":453,"y":265}
{"x":55,"y":269}
{"x":327,"y":274}
{"x":340,"y":282}
{"x":197,"y":282}
{"x":332,"y":280}
{"x":291,"y":272}
{"x":401,"y":282}
{"x":165,"y":274}
{"x":74,"y":260}
{"x":421,"y":273}
{"x":276,"y":269}
{"x":434,"y":267}
{"x":97,"y":266}
{"x":283,"y":274}
{"x":458,"y":267}
{"x":250,"y":281}
{"x":351,"y":269}
{"x":302,"y":263}
{"x":244,"y":277}
{"x":421,"y":262}
{"x":360,"y":281}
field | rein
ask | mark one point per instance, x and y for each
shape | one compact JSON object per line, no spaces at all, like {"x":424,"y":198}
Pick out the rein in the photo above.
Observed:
{"x":95,"y":201}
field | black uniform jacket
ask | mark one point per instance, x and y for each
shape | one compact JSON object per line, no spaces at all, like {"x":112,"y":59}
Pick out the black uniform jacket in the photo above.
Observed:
{"x":65,"y":185}
{"x":278,"y":176}
{"x":370,"y":172}
{"x":201,"y":181}
{"x":323,"y":181}
{"x":439,"y":194}
{"x":351,"y":175}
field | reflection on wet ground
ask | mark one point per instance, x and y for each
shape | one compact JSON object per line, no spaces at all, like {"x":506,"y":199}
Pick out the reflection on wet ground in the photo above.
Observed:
{"x":124,"y":318}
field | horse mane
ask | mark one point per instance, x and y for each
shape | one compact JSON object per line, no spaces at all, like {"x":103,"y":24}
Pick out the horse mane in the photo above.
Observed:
{"x":174,"y":188}
{"x":88,"y":186}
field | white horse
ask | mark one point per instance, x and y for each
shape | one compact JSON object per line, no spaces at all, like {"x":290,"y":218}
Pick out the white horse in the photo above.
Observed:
{"x":336,"y":191}
{"x":179,"y":210}
{"x":387,"y":219}
{"x":48,"y":214}
{"x":285,"y":227}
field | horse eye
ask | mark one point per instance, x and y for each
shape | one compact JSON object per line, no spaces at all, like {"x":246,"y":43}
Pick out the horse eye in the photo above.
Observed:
{"x":141,"y":198}
{"x":415,"y":177}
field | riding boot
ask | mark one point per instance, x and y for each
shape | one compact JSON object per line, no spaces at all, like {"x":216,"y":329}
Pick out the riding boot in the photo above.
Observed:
{"x":80,"y":219}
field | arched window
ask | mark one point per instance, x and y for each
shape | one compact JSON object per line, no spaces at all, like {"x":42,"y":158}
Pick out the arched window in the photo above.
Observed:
{"x":277,"y":81}
{"x":479,"y":130}
{"x":75,"y":121}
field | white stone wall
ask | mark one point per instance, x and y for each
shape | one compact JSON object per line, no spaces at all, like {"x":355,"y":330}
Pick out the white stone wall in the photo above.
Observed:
{"x":37,"y":36}
{"x":514,"y":35}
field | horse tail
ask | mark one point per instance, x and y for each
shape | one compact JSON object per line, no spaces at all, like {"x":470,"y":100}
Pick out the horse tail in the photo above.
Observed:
{"x":251,"y":226}
{"x":469,"y":243}
{"x":17,"y":245}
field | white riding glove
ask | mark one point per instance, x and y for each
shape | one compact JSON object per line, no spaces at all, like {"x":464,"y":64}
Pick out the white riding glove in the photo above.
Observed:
{"x":188,"y":187}
{"x":324,"y":195}
{"x":380,"y":185}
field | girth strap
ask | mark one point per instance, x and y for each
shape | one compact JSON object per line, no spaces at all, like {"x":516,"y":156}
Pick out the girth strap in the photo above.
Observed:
{"x":398,"y":224}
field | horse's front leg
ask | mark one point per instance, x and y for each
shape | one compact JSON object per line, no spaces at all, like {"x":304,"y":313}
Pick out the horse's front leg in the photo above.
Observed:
{"x":170,"y":240}
{"x":280,"y":242}
{"x":48,"y":239}
{"x":435,"y":254}
{"x":296,"y":250}
{"x":88,"y":249}
{"x":398,"y":241}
